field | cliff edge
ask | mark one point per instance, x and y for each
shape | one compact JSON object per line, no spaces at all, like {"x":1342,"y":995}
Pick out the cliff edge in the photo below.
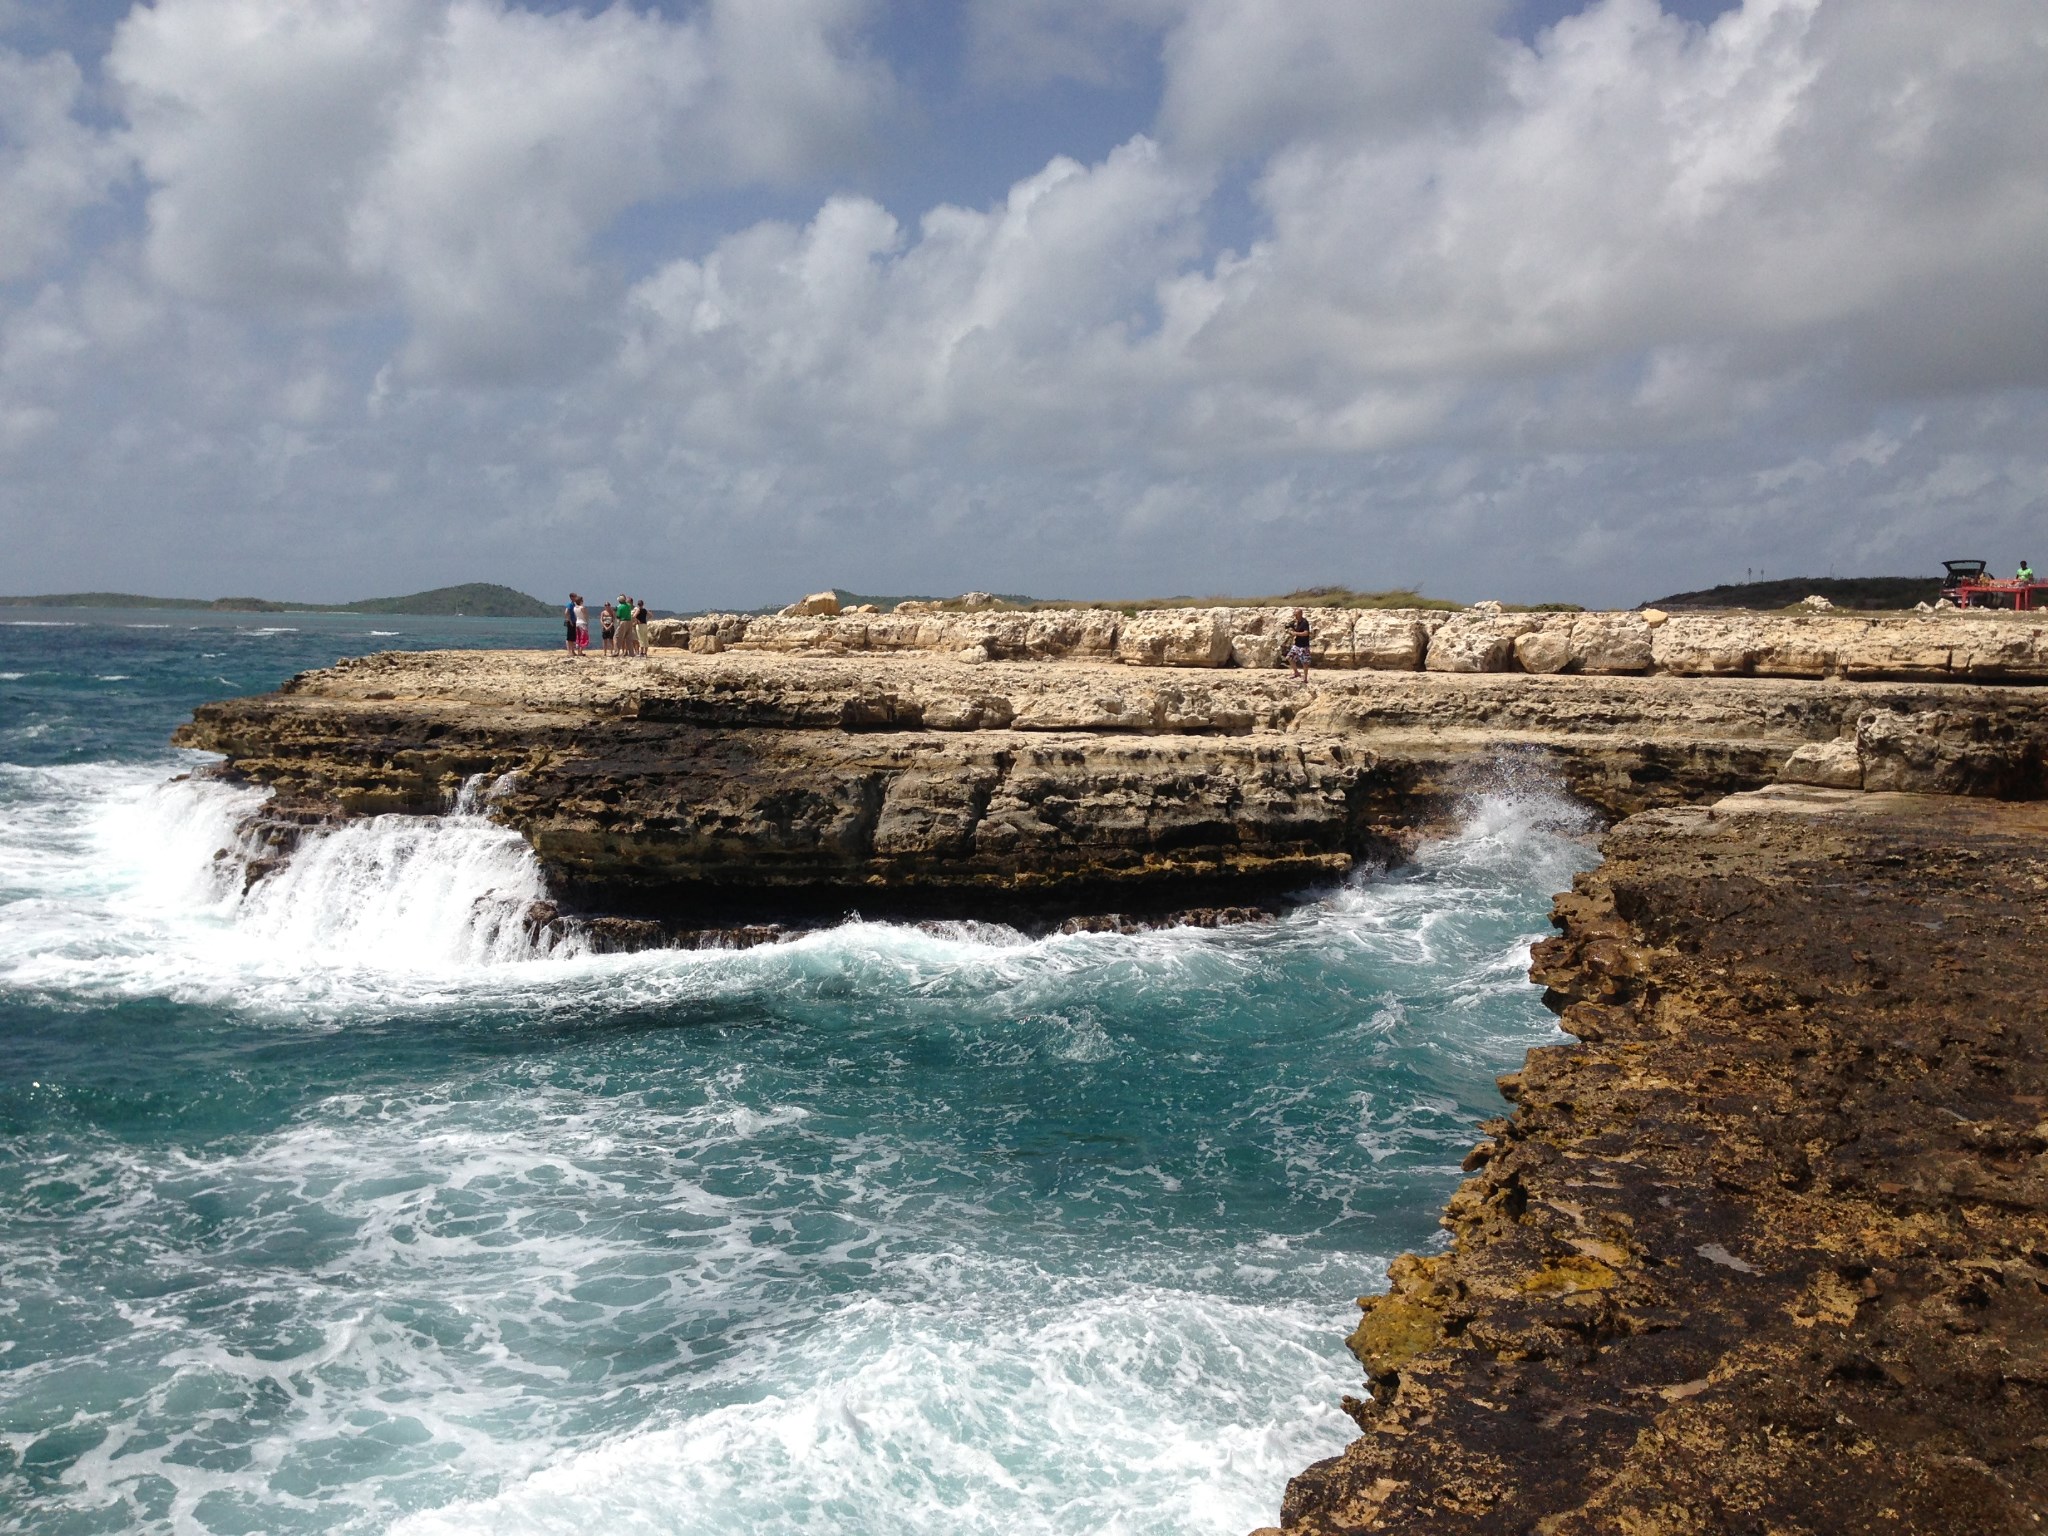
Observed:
{"x":691,"y":789}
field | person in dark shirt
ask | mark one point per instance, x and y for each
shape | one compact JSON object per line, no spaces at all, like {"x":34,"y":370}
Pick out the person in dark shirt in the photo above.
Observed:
{"x":1297,"y":645}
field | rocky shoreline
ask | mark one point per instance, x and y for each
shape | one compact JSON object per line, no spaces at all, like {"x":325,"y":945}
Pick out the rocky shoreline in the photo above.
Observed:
{"x":1766,"y":1251}
{"x":689,"y":791}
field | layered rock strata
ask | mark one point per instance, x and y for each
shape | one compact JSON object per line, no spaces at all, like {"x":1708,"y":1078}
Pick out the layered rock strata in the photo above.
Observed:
{"x":711,"y":790}
{"x":1768,"y":1251}
{"x":1974,"y":645}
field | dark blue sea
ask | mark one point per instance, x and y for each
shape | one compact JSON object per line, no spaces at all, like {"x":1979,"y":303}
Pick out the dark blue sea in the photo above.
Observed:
{"x":330,"y":1207}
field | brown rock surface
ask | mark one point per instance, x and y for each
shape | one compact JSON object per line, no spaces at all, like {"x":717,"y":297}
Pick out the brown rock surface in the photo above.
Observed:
{"x":1768,"y":1252}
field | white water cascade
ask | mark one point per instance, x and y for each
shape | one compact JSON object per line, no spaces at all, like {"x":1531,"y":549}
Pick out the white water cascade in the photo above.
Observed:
{"x":140,"y":883}
{"x":407,"y":893}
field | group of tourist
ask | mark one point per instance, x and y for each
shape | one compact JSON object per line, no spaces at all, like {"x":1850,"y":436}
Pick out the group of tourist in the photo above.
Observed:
{"x":621,"y":626}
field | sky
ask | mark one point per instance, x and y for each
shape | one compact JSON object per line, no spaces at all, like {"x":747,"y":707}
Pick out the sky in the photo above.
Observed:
{"x":728,"y":301}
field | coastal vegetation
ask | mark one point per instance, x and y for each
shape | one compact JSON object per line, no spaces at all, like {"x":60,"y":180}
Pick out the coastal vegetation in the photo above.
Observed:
{"x":1301,"y":597}
{"x":1877,"y":593}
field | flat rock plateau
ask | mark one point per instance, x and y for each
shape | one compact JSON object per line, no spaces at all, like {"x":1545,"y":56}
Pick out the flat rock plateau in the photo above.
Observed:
{"x":1766,"y":1251}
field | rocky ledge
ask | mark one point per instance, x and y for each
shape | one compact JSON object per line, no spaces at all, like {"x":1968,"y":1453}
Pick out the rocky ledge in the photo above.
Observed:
{"x":687,"y":790}
{"x":1768,"y":1250}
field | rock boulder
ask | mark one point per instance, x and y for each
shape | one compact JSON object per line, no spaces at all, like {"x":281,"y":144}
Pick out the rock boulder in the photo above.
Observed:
{"x":817,"y":605}
{"x":1479,"y":641}
{"x":1175,"y":637}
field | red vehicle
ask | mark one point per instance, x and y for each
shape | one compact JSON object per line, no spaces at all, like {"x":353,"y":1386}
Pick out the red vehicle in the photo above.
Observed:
{"x":1969,"y":585}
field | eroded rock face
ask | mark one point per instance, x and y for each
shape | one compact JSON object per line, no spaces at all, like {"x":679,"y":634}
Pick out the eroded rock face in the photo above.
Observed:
{"x":649,"y":787}
{"x":1478,"y":642}
{"x":1836,"y":764}
{"x":1175,"y":637}
{"x":1544,"y":650}
{"x":1945,"y":752}
{"x":1769,"y":1250}
{"x":1611,"y":643}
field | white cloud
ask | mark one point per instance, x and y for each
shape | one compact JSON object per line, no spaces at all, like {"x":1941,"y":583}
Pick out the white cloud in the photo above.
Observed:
{"x":1025,"y":43}
{"x":258,"y":127}
{"x":51,"y":164}
{"x":1533,"y":321}
{"x":519,"y":140}
{"x":1791,"y":189}
{"x":1649,"y":233}
{"x":1000,"y":324}
{"x":790,"y":93}
{"x":459,"y":155}
{"x":1243,"y":76}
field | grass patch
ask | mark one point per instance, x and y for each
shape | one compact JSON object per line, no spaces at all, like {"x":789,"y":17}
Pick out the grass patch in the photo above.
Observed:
{"x":1303,"y":597}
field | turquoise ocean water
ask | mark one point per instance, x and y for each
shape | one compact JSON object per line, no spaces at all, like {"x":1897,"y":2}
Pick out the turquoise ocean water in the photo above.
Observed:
{"x":329,"y":1208}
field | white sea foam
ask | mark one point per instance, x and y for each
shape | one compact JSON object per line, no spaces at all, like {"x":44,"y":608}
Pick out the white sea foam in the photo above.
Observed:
{"x":135,"y":886}
{"x":401,"y":893}
{"x":12,"y":677}
{"x":993,"y":1410}
{"x":961,"y":1391}
{"x":512,"y":1295}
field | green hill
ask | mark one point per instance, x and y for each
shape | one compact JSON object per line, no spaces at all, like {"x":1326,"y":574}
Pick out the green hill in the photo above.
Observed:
{"x":1871,"y":592}
{"x":137,"y":600}
{"x":475,"y":599}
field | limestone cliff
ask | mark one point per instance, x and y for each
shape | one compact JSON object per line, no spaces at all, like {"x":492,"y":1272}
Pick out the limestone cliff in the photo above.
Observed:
{"x":1975,"y":645}
{"x":724,"y":788}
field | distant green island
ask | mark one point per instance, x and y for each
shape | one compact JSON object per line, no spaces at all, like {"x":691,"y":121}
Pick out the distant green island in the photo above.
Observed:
{"x":473,"y":599}
{"x":1869,"y":592}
